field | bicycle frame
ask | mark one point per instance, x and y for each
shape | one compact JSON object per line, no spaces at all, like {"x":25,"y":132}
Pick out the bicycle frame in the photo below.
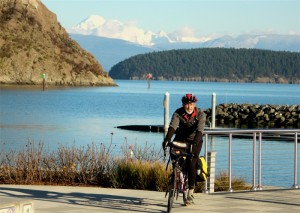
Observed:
{"x":177,"y":183}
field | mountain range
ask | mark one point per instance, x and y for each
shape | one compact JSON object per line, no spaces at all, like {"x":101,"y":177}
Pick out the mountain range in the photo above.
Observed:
{"x":110,"y":51}
{"x":109,"y":46}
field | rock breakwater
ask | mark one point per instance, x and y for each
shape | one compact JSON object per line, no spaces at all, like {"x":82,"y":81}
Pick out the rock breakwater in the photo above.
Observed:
{"x":256,"y":116}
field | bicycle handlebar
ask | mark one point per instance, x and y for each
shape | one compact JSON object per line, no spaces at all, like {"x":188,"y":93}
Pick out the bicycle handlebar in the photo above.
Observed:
{"x":175,"y":154}
{"x":169,"y":144}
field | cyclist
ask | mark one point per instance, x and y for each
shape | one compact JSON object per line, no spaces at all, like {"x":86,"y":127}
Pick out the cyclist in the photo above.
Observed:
{"x":187,"y":124}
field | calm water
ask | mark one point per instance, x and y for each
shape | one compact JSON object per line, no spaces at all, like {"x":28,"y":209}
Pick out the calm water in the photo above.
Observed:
{"x":86,"y":115}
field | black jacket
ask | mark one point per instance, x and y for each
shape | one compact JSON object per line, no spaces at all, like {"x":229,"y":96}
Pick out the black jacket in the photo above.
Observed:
{"x":186,"y":126}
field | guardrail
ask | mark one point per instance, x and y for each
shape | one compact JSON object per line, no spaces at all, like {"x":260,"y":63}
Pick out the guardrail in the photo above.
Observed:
{"x":254,"y":135}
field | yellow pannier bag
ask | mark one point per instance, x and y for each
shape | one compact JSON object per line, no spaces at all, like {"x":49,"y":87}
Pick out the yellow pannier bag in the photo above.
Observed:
{"x":202,"y":173}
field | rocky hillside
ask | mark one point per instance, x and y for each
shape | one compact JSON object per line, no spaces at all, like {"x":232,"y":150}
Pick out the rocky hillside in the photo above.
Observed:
{"x":32,"y":42}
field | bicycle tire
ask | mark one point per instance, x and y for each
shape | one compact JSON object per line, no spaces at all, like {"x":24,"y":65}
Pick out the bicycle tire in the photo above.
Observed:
{"x":172,"y":191}
{"x":178,"y":184}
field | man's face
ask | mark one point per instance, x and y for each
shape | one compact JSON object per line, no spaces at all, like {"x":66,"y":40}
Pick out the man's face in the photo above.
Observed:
{"x":189,"y":107}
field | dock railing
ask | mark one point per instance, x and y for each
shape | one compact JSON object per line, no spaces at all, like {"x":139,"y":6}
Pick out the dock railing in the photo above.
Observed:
{"x":255,"y":136}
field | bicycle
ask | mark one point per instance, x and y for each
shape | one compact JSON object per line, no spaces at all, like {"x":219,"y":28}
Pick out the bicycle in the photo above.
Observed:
{"x":178,"y":180}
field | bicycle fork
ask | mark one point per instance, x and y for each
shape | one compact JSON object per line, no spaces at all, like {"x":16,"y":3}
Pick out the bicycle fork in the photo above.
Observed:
{"x":181,"y":181}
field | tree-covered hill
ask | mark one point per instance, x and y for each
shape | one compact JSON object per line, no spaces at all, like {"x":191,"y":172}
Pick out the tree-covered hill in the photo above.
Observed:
{"x":213,"y":64}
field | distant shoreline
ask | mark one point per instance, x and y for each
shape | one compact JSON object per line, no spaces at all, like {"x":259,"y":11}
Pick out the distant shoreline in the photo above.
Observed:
{"x":50,"y":87}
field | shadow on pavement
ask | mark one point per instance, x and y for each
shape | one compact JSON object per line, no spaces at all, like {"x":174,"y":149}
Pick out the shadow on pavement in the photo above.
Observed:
{"x":107,"y":201}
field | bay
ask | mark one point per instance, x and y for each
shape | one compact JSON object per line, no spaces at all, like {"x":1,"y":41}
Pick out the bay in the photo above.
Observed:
{"x":90,"y":114}
{"x":84,"y":115}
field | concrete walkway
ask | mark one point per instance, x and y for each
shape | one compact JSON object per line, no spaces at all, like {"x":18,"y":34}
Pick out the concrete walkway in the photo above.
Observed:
{"x":67,"y":199}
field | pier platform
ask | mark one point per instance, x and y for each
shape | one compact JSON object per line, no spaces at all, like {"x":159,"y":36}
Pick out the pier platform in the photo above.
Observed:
{"x":69,"y":199}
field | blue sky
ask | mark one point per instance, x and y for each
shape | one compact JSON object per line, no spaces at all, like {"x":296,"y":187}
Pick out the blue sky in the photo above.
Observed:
{"x":201,"y":17}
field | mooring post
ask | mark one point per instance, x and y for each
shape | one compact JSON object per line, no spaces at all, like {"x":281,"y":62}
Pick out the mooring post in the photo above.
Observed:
{"x":149,"y":76}
{"x":43,"y":76}
{"x":166,"y":105}
{"x":44,"y":84}
{"x":213,"y":118}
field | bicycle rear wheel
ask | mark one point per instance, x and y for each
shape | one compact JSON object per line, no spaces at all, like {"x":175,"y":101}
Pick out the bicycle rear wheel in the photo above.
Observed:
{"x":172,"y":191}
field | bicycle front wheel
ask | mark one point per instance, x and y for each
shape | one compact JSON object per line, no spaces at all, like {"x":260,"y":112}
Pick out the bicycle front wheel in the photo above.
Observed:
{"x":172,"y":191}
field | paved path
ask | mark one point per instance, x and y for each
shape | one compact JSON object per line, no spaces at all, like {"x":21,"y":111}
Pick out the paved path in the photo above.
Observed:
{"x":67,"y":199}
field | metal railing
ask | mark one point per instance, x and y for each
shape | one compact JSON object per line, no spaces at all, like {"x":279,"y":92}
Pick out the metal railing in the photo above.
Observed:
{"x":254,"y":134}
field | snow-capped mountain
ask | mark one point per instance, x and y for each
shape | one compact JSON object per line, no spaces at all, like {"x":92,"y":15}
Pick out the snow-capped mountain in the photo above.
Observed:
{"x":98,"y":26}
{"x":112,"y":41}
{"x":269,"y":42}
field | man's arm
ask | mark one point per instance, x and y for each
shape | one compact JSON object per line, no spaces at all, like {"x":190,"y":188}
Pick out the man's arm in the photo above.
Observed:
{"x":168,"y":137}
{"x":172,"y":128}
{"x":202,"y":120}
{"x":198,"y":139}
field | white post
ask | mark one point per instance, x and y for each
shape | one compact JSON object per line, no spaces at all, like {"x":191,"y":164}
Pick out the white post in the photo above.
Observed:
{"x":166,"y":105}
{"x":212,"y":171}
{"x":213,"y":110}
{"x":295,"y":186}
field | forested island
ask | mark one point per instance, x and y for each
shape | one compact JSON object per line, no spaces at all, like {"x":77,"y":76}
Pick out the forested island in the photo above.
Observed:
{"x":212,"y":64}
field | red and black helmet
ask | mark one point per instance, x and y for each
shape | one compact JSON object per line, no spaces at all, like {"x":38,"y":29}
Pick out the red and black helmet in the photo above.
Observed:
{"x":189,"y":98}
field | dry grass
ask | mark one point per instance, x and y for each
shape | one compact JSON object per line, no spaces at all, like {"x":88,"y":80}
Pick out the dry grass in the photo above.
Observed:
{"x":222,"y":183}
{"x":143,"y":168}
